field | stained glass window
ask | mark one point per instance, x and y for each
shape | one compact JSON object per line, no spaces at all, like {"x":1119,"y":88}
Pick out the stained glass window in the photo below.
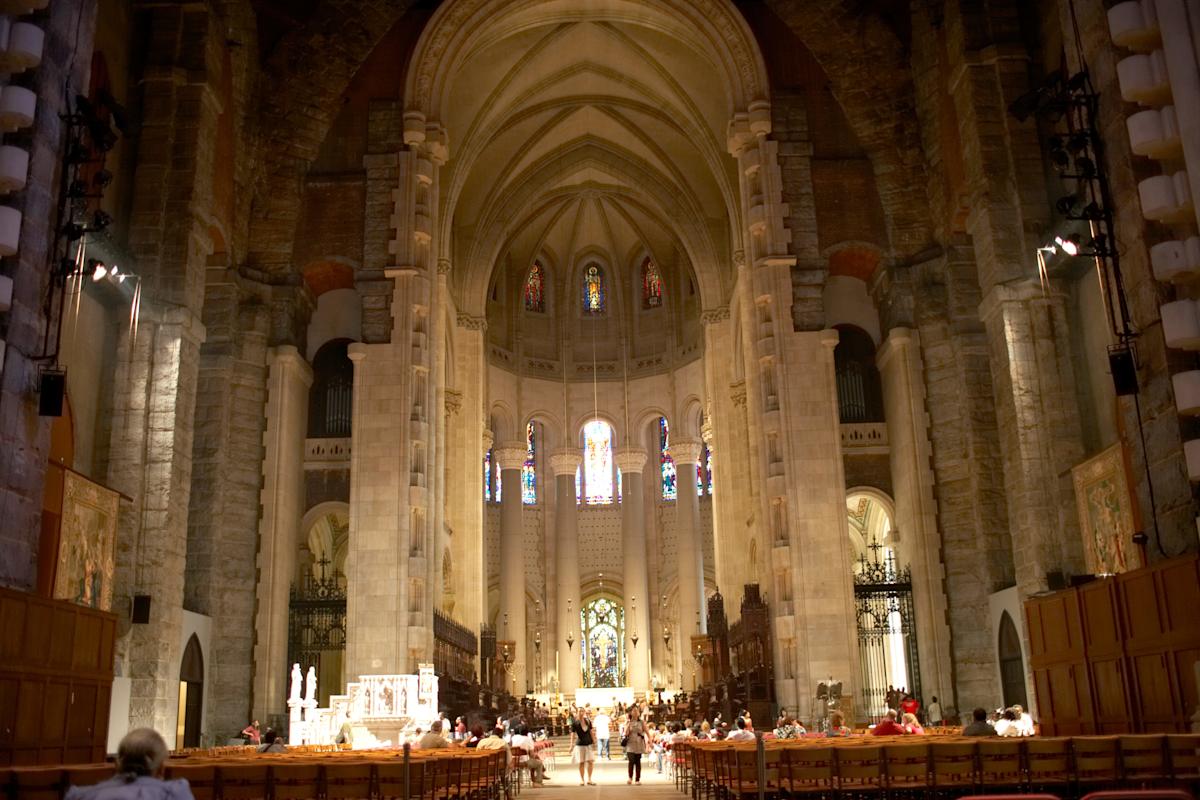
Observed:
{"x":602,"y":657}
{"x":598,"y":462}
{"x":667,"y":464}
{"x":487,"y":476}
{"x":704,"y":480}
{"x":529,"y":469}
{"x":594,"y":295}
{"x":578,"y":485}
{"x":651,"y":285}
{"x":535,"y":289}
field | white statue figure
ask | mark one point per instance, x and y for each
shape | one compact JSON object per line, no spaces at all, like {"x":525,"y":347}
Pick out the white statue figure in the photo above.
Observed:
{"x":310,"y":686}
{"x":295,"y":693}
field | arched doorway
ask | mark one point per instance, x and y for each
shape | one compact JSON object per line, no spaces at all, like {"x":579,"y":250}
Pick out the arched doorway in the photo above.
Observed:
{"x":317,"y":610}
{"x":1012,"y":664}
{"x":191,"y":695}
{"x":884,"y":612}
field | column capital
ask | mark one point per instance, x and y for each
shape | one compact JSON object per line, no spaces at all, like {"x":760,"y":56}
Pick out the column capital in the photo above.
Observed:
{"x":287,"y":357}
{"x":356,"y":352}
{"x":630,"y":459}
{"x":830,"y":337}
{"x":565,"y":461}
{"x":686,"y":451}
{"x":510,"y":455}
{"x":897,"y":339}
{"x":489,"y":439}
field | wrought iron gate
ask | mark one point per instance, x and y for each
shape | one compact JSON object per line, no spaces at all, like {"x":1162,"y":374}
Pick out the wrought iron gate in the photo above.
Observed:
{"x":884,"y":613}
{"x":316,"y":619}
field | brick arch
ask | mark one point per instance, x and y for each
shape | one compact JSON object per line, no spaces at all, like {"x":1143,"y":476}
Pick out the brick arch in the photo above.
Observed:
{"x":311,"y":68}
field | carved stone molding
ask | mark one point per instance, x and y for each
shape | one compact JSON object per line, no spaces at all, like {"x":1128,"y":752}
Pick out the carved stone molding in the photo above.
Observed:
{"x":630,"y":459}
{"x":565,"y":461}
{"x":453,"y":401}
{"x":472,"y":323}
{"x":714,"y":315}
{"x":510,"y":455}
{"x":686,"y":451}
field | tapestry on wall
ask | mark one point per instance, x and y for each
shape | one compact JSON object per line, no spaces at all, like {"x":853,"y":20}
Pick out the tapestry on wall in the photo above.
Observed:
{"x":86,"y":544}
{"x":1105,"y":512}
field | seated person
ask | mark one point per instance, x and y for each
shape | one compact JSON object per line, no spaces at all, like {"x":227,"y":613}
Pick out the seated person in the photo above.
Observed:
{"x":434,"y":739}
{"x":740,"y":733}
{"x":271,"y":743}
{"x":1024,"y":721}
{"x":1007,"y":725}
{"x":789,"y":728}
{"x":911,"y":725}
{"x":979,"y":725}
{"x":888,"y":725}
{"x":525,"y":751}
{"x":837,"y":725}
{"x":495,"y":741}
{"x":140,"y":759}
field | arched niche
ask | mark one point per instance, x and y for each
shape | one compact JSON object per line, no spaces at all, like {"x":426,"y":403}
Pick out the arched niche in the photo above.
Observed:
{"x":191,"y":695}
{"x":1012,"y":663}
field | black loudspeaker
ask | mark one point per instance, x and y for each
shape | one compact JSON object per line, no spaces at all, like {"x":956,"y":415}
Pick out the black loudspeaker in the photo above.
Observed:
{"x":1056,"y":580}
{"x":51,"y":388}
{"x":141,"y":609}
{"x":1124,"y":371}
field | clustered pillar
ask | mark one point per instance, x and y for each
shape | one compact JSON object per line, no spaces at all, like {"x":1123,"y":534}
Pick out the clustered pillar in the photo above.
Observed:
{"x":511,"y":457}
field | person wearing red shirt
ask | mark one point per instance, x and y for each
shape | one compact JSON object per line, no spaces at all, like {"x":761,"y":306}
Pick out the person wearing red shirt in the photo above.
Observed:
{"x":909,"y":705}
{"x":888,"y":726}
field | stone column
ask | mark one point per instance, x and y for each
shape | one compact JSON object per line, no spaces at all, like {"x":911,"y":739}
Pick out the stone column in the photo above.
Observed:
{"x":511,"y":457}
{"x":288,"y":383}
{"x":915,"y":530}
{"x":688,"y":542}
{"x":566,"y":526}
{"x":631,"y":461}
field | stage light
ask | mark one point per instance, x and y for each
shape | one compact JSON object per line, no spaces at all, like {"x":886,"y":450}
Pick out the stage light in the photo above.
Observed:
{"x":1069,"y":245}
{"x":99,"y":270}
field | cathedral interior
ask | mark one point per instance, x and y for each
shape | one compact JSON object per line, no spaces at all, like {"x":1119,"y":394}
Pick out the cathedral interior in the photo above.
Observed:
{"x":599,"y":348}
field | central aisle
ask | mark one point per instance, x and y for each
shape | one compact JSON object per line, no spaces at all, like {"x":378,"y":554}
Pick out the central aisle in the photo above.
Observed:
{"x":563,"y":781}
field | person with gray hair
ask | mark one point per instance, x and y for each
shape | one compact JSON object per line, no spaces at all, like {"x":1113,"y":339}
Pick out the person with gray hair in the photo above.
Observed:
{"x":140,"y":759}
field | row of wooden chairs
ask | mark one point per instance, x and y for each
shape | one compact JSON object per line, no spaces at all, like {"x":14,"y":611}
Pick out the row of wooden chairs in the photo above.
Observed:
{"x":901,"y":766}
{"x":435,"y":775}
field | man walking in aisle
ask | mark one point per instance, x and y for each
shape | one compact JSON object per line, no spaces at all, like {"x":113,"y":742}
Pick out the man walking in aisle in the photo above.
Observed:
{"x":603,"y":724}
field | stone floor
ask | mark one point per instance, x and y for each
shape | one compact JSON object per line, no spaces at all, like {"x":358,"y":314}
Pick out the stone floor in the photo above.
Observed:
{"x":563,"y":782}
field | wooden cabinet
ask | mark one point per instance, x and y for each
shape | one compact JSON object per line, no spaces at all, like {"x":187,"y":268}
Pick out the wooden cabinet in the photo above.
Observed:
{"x":1116,"y":655}
{"x":56,"y":671}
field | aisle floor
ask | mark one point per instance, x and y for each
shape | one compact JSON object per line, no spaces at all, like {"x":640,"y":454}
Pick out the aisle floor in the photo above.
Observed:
{"x":563,"y":782}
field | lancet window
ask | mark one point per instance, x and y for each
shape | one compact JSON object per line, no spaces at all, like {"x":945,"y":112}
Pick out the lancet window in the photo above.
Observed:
{"x":529,"y":468}
{"x":598,"y":462}
{"x":651,"y":285}
{"x":670,"y":489}
{"x":535,"y":289}
{"x":595,"y":295}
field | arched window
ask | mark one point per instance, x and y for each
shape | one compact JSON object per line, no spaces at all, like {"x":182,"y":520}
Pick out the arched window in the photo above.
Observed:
{"x":860,"y":398}
{"x":651,"y":285}
{"x":666,"y":464}
{"x":594,"y":294}
{"x":535,"y":289}
{"x":602,"y":623}
{"x":330,"y":399}
{"x":598,"y":462}
{"x":529,"y":468}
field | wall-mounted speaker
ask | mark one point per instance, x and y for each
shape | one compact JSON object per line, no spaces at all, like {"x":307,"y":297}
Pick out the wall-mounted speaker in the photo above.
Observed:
{"x":52,"y":386}
{"x":141,"y":609}
{"x":1056,"y":580}
{"x":1123,"y":369}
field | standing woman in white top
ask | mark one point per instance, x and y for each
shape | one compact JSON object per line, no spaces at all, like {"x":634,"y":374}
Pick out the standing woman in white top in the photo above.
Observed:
{"x":635,"y":743}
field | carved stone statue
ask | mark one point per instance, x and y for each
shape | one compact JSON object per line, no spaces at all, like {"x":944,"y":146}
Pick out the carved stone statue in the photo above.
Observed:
{"x":310,"y":686}
{"x":295,"y":692}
